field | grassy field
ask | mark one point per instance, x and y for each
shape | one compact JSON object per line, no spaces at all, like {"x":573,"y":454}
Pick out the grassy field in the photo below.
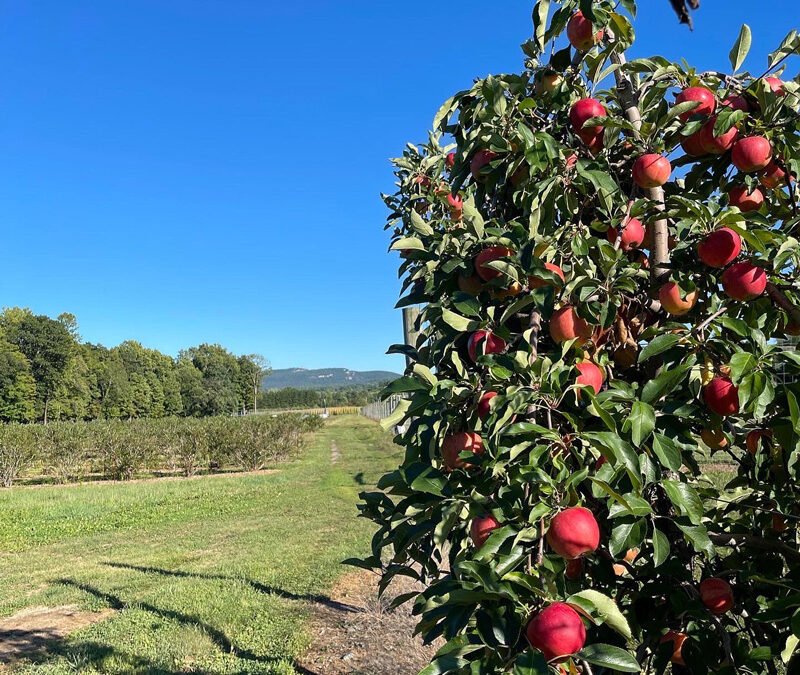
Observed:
{"x":210,"y":575}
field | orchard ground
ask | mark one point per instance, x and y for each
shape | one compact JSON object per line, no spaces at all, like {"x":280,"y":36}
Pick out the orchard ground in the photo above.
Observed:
{"x":224,"y":574}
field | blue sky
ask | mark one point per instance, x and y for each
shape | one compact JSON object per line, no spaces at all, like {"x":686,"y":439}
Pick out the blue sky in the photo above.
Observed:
{"x":181,"y":171}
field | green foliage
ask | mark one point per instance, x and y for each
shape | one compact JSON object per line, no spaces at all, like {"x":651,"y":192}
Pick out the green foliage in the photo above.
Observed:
{"x":314,"y":398}
{"x":629,"y":452}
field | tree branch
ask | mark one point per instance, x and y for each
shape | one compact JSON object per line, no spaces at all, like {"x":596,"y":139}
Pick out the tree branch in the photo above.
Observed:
{"x":778,"y":298}
{"x":751,"y":541}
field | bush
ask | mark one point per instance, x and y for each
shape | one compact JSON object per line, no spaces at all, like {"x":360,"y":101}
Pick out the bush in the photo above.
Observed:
{"x":17,"y":451}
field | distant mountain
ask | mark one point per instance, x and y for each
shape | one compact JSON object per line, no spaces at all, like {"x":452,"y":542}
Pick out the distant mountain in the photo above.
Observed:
{"x":326,"y":378}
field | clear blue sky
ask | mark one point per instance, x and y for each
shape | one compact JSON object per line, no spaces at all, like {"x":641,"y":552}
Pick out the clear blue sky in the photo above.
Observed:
{"x":180,"y":171}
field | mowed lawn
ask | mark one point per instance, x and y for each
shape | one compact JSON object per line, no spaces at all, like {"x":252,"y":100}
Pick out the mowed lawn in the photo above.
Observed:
{"x":210,"y":575}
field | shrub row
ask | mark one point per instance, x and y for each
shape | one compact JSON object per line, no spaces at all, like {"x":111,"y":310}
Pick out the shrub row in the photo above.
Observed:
{"x":122,"y":449}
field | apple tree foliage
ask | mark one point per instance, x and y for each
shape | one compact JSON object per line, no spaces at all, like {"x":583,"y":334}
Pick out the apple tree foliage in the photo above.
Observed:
{"x":631,"y":452}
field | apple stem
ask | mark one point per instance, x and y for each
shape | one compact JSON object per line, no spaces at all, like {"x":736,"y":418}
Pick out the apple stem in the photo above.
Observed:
{"x":586,"y":668}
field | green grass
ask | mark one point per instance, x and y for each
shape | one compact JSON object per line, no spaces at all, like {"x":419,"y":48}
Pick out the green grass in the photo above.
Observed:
{"x":212,"y":575}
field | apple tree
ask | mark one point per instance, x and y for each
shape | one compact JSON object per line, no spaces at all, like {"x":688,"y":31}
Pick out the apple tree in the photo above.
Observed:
{"x":606,"y":254}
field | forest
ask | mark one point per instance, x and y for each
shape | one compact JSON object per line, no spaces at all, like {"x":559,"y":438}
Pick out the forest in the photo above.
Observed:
{"x":47,"y":372}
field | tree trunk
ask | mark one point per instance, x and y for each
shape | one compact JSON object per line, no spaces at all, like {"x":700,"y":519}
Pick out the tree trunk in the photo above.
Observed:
{"x":46,"y":399}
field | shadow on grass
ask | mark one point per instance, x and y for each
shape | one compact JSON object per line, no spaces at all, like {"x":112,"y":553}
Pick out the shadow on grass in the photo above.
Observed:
{"x":255,"y":585}
{"x":94,"y":653}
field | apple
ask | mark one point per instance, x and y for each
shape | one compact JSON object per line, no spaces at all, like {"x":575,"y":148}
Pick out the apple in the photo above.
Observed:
{"x":737,"y":102}
{"x":487,"y":255}
{"x":693,"y":145}
{"x":536,"y":282}
{"x":471,"y":285}
{"x":632,"y":234}
{"x":423,"y":181}
{"x":600,"y":461}
{"x":501,"y":293}
{"x":456,"y":205}
{"x":714,"y":438}
{"x":776,"y":84}
{"x":651,"y":170}
{"x":479,"y":161}
{"x":677,"y":639}
{"x":717,"y":145}
{"x":704,"y":96}
{"x":572,"y":160}
{"x":744,"y":281}
{"x":753,"y":440}
{"x":450,"y":160}
{"x":492,"y":344}
{"x":630,"y":556}
{"x":574,"y":533}
{"x":581,"y":33}
{"x":722,"y":396}
{"x":483,"y":404}
{"x":779,"y":523}
{"x":546,"y":82}
{"x":720,"y":247}
{"x":591,"y":376}
{"x":751,"y":154}
{"x":455,"y":444}
{"x":481,"y":528}
{"x":744,"y":200}
{"x":672,"y":301}
{"x":584,"y":110}
{"x":792,"y":329}
{"x":593,"y":138}
{"x":773,"y":176}
{"x":557,"y":631}
{"x":716,"y":594}
{"x":565,"y":325}
{"x":573,"y":569}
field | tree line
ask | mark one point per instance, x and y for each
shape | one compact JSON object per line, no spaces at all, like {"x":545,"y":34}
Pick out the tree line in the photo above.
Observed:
{"x":290,"y":397}
{"x":124,"y":449}
{"x":47,"y":373}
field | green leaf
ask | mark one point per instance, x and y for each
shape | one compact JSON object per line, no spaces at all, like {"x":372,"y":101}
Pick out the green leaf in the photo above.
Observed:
{"x":411,"y":243}
{"x":604,"y":608}
{"x":627,"y":535}
{"x":685,"y":499}
{"x":397,"y":416}
{"x":540,"y":11}
{"x":660,"y":547}
{"x":425,"y":478}
{"x":419,"y":225}
{"x":697,"y":535}
{"x":740,"y":47}
{"x":530,"y":663}
{"x":640,"y":422}
{"x":664,"y":383}
{"x":460,"y":323}
{"x":790,"y":44}
{"x":667,"y":451}
{"x":608,"y":656}
{"x":742,"y":363}
{"x":658,"y":345}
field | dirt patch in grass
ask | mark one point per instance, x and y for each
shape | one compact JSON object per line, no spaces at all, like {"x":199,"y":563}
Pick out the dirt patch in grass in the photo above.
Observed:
{"x":356,"y":634}
{"x":33,"y":630}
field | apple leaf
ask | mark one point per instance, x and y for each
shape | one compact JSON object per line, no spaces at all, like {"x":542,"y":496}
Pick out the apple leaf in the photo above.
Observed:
{"x":660,"y":547}
{"x":608,"y":656}
{"x":640,"y":422}
{"x":657,"y":345}
{"x":740,"y":47}
{"x":602,"y":609}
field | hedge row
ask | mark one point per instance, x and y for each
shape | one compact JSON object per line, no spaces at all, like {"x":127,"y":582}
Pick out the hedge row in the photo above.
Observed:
{"x":122,"y":449}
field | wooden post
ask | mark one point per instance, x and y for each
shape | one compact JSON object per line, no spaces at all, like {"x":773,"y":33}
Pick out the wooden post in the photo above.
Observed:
{"x":410,"y":315}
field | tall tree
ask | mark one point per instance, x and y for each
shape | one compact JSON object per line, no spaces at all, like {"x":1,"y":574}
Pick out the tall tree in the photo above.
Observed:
{"x":253,"y":368}
{"x":17,"y":386}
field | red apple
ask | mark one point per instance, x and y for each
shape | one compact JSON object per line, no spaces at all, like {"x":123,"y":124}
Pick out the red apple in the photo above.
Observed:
{"x":471,"y":284}
{"x":574,"y":568}
{"x":565,"y":325}
{"x":737,"y":103}
{"x":536,"y":282}
{"x":483,"y":404}
{"x":745,"y":201}
{"x":720,"y":247}
{"x":480,"y":160}
{"x":744,"y":281}
{"x":574,"y":533}
{"x":776,"y":84}
{"x":481,"y":528}
{"x":557,"y":631}
{"x":450,"y":160}
{"x":792,"y":329}
{"x":423,"y":181}
{"x":455,"y":444}
{"x":487,"y":255}
{"x":672,"y":300}
{"x":716,"y":594}
{"x":722,"y":396}
{"x":693,"y":145}
{"x":717,"y":145}
{"x":705,"y":96}
{"x":492,"y":344}
{"x":753,"y":440}
{"x":572,"y":160}
{"x":591,"y":376}
{"x":751,"y":154}
{"x":773,"y":176}
{"x":593,"y":138}
{"x":583,"y":110}
{"x":714,"y":438}
{"x":456,"y":205}
{"x":651,"y":171}
{"x":581,"y":33}
{"x":632,"y":234}
{"x":677,"y":639}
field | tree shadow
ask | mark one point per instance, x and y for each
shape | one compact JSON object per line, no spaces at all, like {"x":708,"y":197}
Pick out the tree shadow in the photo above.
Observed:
{"x":255,"y":585}
{"x":95,"y":652}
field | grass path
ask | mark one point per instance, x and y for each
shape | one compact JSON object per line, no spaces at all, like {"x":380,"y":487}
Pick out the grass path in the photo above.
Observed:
{"x":209,"y":576}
